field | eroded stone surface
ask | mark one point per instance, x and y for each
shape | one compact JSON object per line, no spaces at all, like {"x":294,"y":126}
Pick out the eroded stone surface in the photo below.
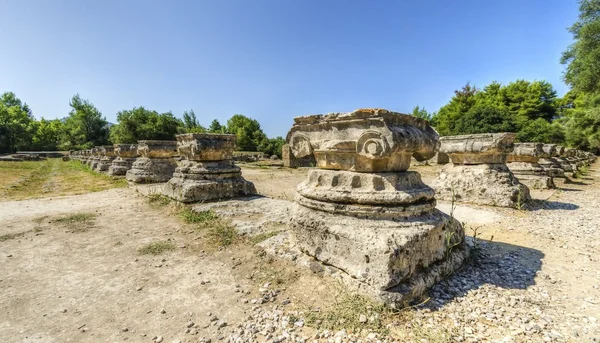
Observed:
{"x":479,"y":148}
{"x":156,"y":162}
{"x":107,"y":155}
{"x":479,"y":174}
{"x":523,"y":163}
{"x":365,"y":140}
{"x":548,"y":161}
{"x":363,"y":212}
{"x":126,"y":155}
{"x":483,"y":184}
{"x":207,"y":171}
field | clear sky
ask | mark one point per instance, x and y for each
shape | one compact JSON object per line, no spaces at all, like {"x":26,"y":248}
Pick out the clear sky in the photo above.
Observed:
{"x":273,"y":60}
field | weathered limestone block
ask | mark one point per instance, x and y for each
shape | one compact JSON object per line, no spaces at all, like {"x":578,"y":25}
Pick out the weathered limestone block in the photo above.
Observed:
{"x":523,"y":163}
{"x":549,"y":163}
{"x":291,"y":161}
{"x":440,"y":158}
{"x":362,"y":212}
{"x":107,"y":155}
{"x":95,"y":158}
{"x":126,"y":156}
{"x":207,"y":171}
{"x":478,"y":173}
{"x":156,"y":162}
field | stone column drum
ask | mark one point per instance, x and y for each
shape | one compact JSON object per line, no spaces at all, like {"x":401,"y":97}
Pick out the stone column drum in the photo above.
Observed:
{"x":107,"y":154}
{"x":206,"y":171}
{"x":95,"y":157}
{"x":363,"y":212}
{"x":126,"y":155}
{"x":549,"y":163}
{"x":523,"y":163}
{"x":478,"y":173}
{"x":156,"y":162}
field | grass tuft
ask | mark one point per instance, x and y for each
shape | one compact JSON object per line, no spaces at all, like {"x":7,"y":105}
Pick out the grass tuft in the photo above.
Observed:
{"x":261,"y":237}
{"x":156,"y":248}
{"x":223,"y":234}
{"x":159,"y":199}
{"x":78,"y":222}
{"x":9,"y":236}
{"x":190,"y":216}
{"x":346,"y":313}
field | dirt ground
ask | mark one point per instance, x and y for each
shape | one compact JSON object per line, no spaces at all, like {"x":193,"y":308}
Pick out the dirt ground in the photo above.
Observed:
{"x":61,"y":282}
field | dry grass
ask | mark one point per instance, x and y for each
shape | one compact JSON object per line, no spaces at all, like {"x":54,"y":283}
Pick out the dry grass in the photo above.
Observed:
{"x":156,"y":248}
{"x":78,"y":222}
{"x":51,"y":177}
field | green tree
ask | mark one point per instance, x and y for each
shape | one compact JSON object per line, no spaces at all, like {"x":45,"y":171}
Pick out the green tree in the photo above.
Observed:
{"x":272,"y":146}
{"x":190,"y":123}
{"x":85,"y":126}
{"x":215,"y":127}
{"x":249,"y":134}
{"x":460,"y":103}
{"x":47,"y":135}
{"x":16,"y":123}
{"x":484,"y":119}
{"x":421,"y":112}
{"x":140,"y":124}
{"x":582,"y":58}
{"x":583,"y":129}
{"x":540,"y":130}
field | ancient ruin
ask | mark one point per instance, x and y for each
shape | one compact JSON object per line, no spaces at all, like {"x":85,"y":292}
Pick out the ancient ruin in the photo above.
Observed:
{"x":478,"y":173}
{"x":156,"y":162}
{"x":523,"y":163}
{"x":291,"y":160}
{"x":107,"y":155}
{"x":549,"y":163}
{"x":206,"y":171}
{"x":363,"y":212}
{"x":95,"y":157}
{"x":126,"y":155}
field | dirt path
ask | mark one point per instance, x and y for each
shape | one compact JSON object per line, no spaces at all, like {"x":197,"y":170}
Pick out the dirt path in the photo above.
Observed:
{"x":57,"y":285}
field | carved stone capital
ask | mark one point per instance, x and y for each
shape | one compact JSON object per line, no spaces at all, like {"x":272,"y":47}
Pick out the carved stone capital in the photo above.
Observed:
{"x":206,"y":146}
{"x":366,"y":140}
{"x":157,"y":149}
{"x":484,"y":148}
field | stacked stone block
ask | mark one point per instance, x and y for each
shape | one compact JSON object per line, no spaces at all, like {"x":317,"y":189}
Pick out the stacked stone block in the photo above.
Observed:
{"x":363,"y":212}
{"x":206,"y":171}
{"x":156,"y":162}
{"x":478,"y":173}
{"x":523,"y":163}
{"x":126,"y":156}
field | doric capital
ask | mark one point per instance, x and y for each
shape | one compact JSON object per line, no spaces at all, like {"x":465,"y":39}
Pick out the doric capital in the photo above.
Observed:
{"x":526,"y":152}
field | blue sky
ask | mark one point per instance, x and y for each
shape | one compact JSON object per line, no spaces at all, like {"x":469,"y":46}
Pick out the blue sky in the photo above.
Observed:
{"x":273,"y":59}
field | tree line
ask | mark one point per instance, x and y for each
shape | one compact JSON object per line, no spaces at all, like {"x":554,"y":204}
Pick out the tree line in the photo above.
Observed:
{"x":85,"y":127}
{"x":532,"y":108}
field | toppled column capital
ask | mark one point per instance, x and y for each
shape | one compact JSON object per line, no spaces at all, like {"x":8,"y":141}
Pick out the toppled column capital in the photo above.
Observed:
{"x":206,"y":146}
{"x":526,"y":152}
{"x":365,"y":140}
{"x":479,"y":148}
{"x":157,"y":149}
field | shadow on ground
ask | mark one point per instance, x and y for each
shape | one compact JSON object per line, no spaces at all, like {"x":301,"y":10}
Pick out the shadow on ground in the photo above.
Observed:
{"x":500,"y":264}
{"x":537,"y":205}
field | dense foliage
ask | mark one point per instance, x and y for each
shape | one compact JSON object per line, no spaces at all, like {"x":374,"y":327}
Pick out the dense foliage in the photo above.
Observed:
{"x":85,"y":127}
